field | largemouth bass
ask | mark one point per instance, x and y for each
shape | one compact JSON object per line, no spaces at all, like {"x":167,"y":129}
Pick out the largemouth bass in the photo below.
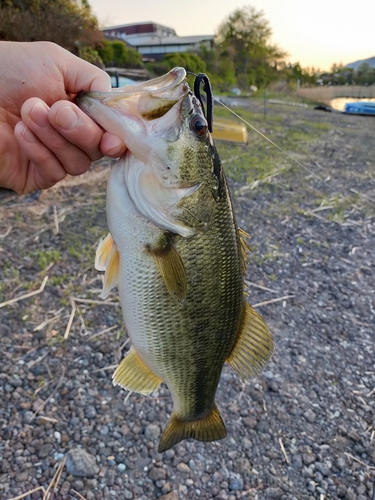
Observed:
{"x":176,"y":255}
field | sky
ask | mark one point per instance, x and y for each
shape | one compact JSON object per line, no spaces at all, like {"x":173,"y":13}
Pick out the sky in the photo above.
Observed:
{"x":315,"y":33}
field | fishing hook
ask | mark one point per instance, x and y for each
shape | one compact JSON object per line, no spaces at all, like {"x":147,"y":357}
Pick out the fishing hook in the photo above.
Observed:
{"x":202,"y":77}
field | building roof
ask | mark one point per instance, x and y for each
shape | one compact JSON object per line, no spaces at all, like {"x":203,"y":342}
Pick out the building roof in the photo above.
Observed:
{"x":107,"y":28}
{"x":172,"y":40}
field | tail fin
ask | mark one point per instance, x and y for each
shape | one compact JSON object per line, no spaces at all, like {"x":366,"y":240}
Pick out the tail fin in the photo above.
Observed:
{"x":209,"y":428}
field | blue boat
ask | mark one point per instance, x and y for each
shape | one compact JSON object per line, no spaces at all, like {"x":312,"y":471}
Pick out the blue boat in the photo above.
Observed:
{"x":360,"y":108}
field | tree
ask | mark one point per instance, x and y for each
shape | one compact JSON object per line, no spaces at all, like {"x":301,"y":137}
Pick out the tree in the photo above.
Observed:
{"x":61,"y":21}
{"x":187,"y":60}
{"x":364,"y":74}
{"x":244,"y":38}
{"x":118,"y":54}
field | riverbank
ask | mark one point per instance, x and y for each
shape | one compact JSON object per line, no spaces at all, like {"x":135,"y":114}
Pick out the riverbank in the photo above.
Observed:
{"x":303,"y":430}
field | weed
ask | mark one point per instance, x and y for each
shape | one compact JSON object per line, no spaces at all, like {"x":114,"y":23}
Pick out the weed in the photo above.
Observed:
{"x":45,"y":257}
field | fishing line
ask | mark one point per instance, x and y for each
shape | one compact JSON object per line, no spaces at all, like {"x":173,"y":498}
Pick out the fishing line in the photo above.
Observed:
{"x":201,"y":77}
{"x":279,"y":148}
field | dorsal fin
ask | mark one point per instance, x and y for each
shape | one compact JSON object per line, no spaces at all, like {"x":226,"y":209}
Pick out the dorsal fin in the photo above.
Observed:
{"x":253,"y":346}
{"x":245,"y":250}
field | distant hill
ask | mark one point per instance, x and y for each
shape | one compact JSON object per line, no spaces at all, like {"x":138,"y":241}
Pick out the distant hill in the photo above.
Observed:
{"x":355,"y":64}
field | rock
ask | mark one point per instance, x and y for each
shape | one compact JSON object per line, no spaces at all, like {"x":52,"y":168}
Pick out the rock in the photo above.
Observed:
{"x":350,"y":495}
{"x":297,"y":461}
{"x":28,"y":417}
{"x":169,"y":496}
{"x":128,"y":494}
{"x":273,"y":493}
{"x":22,"y":476}
{"x":152,"y":432}
{"x":242,"y":465}
{"x":236,"y":483}
{"x":90,"y":412}
{"x":341,"y":490}
{"x":157,"y":473}
{"x":340,"y":463}
{"x":354,"y":436}
{"x":250,"y":422}
{"x":64,"y":489}
{"x":45,"y":450}
{"x":246,"y":443}
{"x":308,"y":458}
{"x":310,"y":416}
{"x":79,"y":463}
{"x":307,"y":472}
{"x":182,"y":467}
{"x":322,"y":468}
{"x":121,"y":467}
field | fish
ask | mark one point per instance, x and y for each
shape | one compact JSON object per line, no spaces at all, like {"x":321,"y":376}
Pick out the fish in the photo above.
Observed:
{"x":176,"y":254}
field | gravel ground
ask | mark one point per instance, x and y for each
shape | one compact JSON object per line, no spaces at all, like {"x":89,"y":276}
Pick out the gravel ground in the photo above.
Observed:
{"x":303,"y":430}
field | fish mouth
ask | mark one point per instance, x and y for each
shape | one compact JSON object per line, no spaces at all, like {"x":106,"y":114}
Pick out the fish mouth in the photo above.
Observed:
{"x":151,"y":99}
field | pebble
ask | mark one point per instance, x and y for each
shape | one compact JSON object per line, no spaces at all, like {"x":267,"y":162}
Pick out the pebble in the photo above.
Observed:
{"x":170,"y":496}
{"x":310,"y":416}
{"x":340,"y":463}
{"x":307,"y":472}
{"x":236,"y":483}
{"x":90,"y":412}
{"x":121,"y":467}
{"x":308,"y":458}
{"x":182,"y":467}
{"x":80,"y":463}
{"x":322,"y":468}
{"x":157,"y":473}
{"x":273,"y":493}
{"x":152,"y":432}
{"x":45,"y":450}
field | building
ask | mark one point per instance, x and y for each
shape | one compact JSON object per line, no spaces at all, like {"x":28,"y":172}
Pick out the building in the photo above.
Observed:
{"x":154,"y":40}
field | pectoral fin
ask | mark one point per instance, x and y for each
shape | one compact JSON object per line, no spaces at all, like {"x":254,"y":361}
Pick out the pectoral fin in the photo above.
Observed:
{"x":253,"y":346}
{"x":132,"y":374}
{"x":209,"y":428}
{"x":103,"y":252}
{"x":170,"y":266}
{"x":108,"y":259}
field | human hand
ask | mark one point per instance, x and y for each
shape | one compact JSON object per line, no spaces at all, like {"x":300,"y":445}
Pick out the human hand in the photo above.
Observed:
{"x":43,"y":134}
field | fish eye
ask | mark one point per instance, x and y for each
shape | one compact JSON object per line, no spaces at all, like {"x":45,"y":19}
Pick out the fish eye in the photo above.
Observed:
{"x":199,"y":126}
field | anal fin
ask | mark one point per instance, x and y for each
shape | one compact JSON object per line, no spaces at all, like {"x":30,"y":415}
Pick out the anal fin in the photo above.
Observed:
{"x":170,"y":266}
{"x":209,"y":428}
{"x":132,"y":374}
{"x":253,"y":346}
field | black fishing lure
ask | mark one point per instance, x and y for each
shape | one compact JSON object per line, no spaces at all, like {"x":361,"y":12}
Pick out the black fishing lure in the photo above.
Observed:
{"x":208,"y":112}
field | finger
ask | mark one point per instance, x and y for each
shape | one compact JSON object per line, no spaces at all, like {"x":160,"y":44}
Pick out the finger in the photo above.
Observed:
{"x":76,"y":127}
{"x":46,"y":170}
{"x":112,"y":146}
{"x":75,"y":159}
{"x":81,"y":75}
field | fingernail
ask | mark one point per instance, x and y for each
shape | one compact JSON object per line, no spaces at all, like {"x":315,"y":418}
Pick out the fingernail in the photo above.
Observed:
{"x":115,"y":152}
{"x":39,"y":114}
{"x":67,"y":118}
{"x":27,"y":135}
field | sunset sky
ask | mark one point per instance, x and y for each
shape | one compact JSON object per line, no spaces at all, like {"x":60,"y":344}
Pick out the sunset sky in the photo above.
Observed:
{"x":316,"y":33}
